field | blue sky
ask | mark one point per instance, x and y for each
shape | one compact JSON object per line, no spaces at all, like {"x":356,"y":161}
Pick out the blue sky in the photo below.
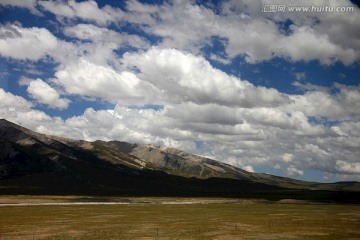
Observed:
{"x":267,"y":91}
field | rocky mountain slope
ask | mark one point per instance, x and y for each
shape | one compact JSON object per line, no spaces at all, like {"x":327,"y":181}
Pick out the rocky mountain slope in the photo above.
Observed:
{"x":180,"y":163}
{"x":36,"y":163}
{"x":174,"y":161}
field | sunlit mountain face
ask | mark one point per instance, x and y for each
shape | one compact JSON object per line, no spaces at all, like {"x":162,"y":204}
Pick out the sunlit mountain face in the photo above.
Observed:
{"x":263,"y":86}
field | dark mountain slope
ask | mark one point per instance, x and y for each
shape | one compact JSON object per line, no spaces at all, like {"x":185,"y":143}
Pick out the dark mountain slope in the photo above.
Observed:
{"x":33,"y":163}
{"x":37,"y":164}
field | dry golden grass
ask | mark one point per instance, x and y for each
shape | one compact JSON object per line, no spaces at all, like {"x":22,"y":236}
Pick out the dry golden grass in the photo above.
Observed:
{"x":181,"y":221}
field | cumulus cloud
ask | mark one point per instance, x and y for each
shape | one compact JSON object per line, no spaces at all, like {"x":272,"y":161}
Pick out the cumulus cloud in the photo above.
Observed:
{"x":188,"y":26}
{"x":39,"y":44}
{"x":307,"y":44}
{"x":294,"y":172}
{"x":163,"y":76}
{"x":297,"y":121}
{"x":105,"y":37}
{"x":29,"y":4}
{"x":332,"y":32}
{"x":45,"y":94}
{"x":87,"y":10}
{"x":26,"y":43}
{"x":10,"y":100}
{"x":311,"y":36}
{"x":90,"y":80}
{"x":346,"y":167}
{"x":319,"y":102}
{"x":19,"y":110}
{"x":185,"y":77}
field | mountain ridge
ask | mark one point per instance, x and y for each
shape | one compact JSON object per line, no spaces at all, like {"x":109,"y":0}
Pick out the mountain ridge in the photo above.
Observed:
{"x":127,"y":168}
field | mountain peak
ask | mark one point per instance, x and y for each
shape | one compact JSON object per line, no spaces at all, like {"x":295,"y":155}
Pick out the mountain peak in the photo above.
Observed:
{"x":4,"y":122}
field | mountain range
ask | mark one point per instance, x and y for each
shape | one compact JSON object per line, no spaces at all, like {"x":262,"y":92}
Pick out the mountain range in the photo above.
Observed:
{"x":34,"y":163}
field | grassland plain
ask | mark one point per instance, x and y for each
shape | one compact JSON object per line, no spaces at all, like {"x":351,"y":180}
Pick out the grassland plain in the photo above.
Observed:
{"x":156,"y":219}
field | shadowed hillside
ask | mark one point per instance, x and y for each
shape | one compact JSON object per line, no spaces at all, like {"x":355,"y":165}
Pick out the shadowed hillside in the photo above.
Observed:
{"x":33,"y":163}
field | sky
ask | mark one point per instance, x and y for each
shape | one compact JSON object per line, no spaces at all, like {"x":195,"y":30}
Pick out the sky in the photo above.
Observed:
{"x":269,"y":86}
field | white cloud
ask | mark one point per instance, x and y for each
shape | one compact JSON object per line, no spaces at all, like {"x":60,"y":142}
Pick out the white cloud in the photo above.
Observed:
{"x":163,"y":76}
{"x":309,"y":87}
{"x":220,"y":59}
{"x":287,"y":157}
{"x":132,"y":125}
{"x":45,"y":94}
{"x":86,"y":10}
{"x":29,"y":4}
{"x":105,"y":37}
{"x":255,"y":35}
{"x":307,"y":44}
{"x":26,"y":43}
{"x":17,"y":109}
{"x":348,"y":168}
{"x":10,"y":100}
{"x":185,"y":77}
{"x":248,"y":168}
{"x":294,"y":172}
{"x":246,"y":31}
{"x":90,"y":80}
{"x":101,"y":45}
{"x":343,"y":105}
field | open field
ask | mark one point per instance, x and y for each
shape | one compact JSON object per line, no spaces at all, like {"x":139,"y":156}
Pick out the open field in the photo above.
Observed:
{"x":154,"y":218}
